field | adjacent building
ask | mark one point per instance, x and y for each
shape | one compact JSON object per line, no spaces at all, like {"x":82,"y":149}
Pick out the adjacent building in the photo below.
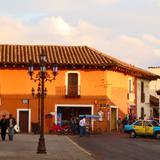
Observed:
{"x":154,"y":85}
{"x":143,"y":103}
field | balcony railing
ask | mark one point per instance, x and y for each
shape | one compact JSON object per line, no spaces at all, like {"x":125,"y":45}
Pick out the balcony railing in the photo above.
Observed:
{"x":73,"y":91}
{"x":68,"y":91}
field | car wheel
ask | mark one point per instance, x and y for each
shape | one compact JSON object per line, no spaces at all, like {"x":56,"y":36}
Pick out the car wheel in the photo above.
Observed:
{"x":132,"y":134}
{"x":157,"y":135}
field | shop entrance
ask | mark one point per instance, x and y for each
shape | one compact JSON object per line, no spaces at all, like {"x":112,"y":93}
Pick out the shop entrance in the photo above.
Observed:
{"x":113,"y":119}
{"x":65,"y":113}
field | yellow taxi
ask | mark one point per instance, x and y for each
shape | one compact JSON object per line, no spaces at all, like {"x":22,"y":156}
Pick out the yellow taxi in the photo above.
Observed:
{"x":143,"y":128}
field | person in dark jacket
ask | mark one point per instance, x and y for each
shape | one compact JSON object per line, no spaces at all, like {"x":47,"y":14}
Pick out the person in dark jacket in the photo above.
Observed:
{"x":4,"y":126}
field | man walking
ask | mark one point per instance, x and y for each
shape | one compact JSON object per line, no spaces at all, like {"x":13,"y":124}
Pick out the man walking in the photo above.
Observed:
{"x":82,"y":127}
{"x":4,"y":126}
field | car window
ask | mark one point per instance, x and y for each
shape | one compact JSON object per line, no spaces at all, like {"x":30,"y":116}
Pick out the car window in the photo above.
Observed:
{"x":154,"y":123}
{"x":138,"y":123}
{"x":146,"y":123}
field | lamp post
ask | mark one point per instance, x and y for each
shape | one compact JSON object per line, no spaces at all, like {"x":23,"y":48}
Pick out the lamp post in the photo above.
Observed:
{"x":37,"y":95}
{"x":42,"y":76}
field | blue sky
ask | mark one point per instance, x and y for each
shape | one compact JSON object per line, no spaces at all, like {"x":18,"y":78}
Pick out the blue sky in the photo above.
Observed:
{"x":125,"y":29}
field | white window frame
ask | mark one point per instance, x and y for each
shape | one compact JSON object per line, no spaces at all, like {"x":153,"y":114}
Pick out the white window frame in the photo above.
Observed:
{"x":66,"y":81}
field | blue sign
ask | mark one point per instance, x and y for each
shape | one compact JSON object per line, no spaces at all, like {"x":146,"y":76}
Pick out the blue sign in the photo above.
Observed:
{"x":59,"y":119}
{"x":89,"y":116}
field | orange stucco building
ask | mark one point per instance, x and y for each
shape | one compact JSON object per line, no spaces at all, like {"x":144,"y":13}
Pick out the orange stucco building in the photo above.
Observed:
{"x":88,"y":81}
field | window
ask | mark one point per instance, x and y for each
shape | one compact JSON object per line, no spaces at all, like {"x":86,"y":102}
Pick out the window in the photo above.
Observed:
{"x":142,"y":113}
{"x":138,"y":123}
{"x":154,"y":123}
{"x":130,"y":87}
{"x":142,"y":92}
{"x":146,"y":123}
{"x":72,"y":84}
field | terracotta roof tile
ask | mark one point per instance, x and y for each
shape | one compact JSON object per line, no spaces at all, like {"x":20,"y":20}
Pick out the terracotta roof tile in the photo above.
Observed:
{"x":67,"y":56}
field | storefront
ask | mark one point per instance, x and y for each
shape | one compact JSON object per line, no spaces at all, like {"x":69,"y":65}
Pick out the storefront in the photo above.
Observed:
{"x":63,"y":113}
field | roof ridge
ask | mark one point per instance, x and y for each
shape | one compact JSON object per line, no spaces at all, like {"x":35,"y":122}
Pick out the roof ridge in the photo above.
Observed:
{"x":42,"y":45}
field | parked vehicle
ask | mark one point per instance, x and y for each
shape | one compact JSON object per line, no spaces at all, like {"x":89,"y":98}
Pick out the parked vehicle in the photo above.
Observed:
{"x":143,"y":128}
{"x":57,"y":129}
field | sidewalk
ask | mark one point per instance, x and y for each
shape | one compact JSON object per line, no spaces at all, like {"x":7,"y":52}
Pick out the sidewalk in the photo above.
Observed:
{"x":24,"y":147}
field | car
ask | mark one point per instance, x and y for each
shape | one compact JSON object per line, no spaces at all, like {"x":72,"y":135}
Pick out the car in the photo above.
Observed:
{"x":143,"y":128}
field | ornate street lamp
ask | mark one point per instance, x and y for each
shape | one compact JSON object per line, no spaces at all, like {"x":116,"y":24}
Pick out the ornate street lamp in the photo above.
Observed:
{"x":42,"y":76}
{"x":37,"y":95}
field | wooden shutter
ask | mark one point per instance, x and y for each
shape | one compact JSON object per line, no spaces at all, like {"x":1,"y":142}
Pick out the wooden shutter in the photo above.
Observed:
{"x":72,"y":84}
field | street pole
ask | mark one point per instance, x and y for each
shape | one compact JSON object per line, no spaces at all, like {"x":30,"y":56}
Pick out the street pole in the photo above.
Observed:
{"x":41,"y":144}
{"x":39,"y":123}
{"x":39,"y":100}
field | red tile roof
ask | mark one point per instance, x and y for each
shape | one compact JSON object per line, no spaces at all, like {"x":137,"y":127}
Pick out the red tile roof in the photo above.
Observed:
{"x":66,"y":57}
{"x":76,"y":55}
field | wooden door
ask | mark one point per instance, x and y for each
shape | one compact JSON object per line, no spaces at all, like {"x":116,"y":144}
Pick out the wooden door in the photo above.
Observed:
{"x":113,"y":119}
{"x":72,"y":84}
{"x":23,"y":121}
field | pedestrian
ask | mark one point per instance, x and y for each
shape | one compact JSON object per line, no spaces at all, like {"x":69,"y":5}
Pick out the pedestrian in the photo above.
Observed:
{"x":11,"y":124}
{"x":119,"y":122}
{"x":77,"y":125}
{"x":82,"y":127}
{"x":125,"y":121}
{"x":4,"y":126}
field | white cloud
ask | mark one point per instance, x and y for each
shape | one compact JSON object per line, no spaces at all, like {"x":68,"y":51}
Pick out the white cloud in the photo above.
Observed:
{"x":156,"y":2}
{"x":108,"y":2}
{"x":58,"y":25}
{"x":140,"y":51}
{"x":152,"y":39}
{"x":11,"y":29}
{"x":132,"y":40}
{"x":157,"y":52}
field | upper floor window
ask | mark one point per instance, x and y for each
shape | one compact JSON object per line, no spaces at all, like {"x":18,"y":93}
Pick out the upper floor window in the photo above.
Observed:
{"x":142,"y":92}
{"x":72,"y":84}
{"x":142,"y":113}
{"x":130,"y":85}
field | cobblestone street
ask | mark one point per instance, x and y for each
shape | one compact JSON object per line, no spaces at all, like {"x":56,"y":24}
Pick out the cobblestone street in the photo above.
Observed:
{"x":24,"y":147}
{"x":120,"y":147}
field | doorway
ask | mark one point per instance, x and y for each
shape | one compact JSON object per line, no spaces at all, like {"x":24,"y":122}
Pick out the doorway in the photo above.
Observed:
{"x":113,"y":122}
{"x":24,"y":120}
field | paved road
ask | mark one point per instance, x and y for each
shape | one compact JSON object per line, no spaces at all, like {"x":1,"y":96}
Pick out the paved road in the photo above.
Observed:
{"x":120,"y":147}
{"x":24,"y":147}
